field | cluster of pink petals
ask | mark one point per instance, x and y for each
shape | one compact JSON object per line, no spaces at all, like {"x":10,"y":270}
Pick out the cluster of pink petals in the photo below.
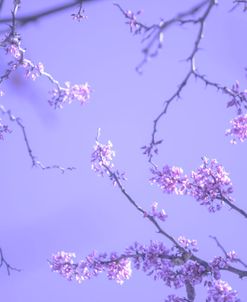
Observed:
{"x":188,"y":244}
{"x":13,"y":50}
{"x":170,"y":179}
{"x":209,"y":184}
{"x":102,"y":157}
{"x":221,"y":291}
{"x":70,"y":93}
{"x":154,"y":259}
{"x":116,"y":268}
{"x":32,"y":71}
{"x":132,"y":20}
{"x":101,"y":162}
{"x":161,"y":215}
{"x":238,"y":129}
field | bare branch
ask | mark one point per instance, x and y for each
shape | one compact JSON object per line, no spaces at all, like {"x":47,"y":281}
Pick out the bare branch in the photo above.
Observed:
{"x":7,"y":265}
{"x":34,"y":160}
{"x":33,"y":17}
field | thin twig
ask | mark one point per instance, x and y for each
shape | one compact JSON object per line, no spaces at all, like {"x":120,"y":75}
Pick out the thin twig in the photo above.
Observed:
{"x":33,"y":17}
{"x":34,"y":160}
{"x":7,"y":265}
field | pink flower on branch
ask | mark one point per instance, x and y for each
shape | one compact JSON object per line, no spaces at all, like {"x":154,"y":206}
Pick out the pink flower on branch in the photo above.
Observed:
{"x":69,"y":93}
{"x":238,"y":129}
{"x":220,"y":290}
{"x":101,"y":161}
{"x":117,"y":268}
{"x":169,"y":265}
{"x":59,"y":95}
{"x":209,"y":184}
{"x":161,"y":215}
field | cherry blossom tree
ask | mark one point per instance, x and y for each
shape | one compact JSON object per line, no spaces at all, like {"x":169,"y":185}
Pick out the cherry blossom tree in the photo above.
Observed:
{"x":175,"y":262}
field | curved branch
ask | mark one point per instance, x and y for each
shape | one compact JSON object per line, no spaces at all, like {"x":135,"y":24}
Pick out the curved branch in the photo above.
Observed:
{"x":33,"y":17}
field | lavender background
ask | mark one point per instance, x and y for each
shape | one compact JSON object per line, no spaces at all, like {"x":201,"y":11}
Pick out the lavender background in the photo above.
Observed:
{"x":43,"y":212}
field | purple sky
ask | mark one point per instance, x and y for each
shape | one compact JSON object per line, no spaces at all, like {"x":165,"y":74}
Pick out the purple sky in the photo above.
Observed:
{"x":43,"y":212}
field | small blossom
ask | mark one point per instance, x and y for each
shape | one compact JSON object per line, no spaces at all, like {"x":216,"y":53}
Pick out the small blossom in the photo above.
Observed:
{"x":132,"y":21}
{"x":32,"y":71}
{"x":14,"y":50}
{"x":116,"y":268}
{"x":161,"y":215}
{"x":102,"y":157}
{"x":188,"y":244}
{"x":60,"y":96}
{"x":232,"y":256}
{"x":209,"y":184}
{"x":221,"y":291}
{"x":101,"y":161}
{"x":170,"y":179}
{"x":63,"y":263}
{"x":238,"y":129}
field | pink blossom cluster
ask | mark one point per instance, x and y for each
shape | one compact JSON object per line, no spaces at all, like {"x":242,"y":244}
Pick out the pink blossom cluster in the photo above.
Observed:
{"x":238,"y":129}
{"x":188,"y":244}
{"x":132,"y":21}
{"x":117,"y":268}
{"x":101,"y":161}
{"x":102,"y":157}
{"x":209,"y":184}
{"x":60,"y":95}
{"x":170,"y":179}
{"x":13,"y":50}
{"x":221,"y":291}
{"x":219,"y":263}
{"x":32,"y":71}
{"x":156,"y":260}
{"x":161,"y":215}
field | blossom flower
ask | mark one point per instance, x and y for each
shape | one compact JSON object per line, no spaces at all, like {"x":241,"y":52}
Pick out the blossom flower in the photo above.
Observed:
{"x":155,"y":260}
{"x":161,"y":215}
{"x":132,"y":20}
{"x":221,"y":291}
{"x":116,"y":268}
{"x":102,"y":157}
{"x":238,"y":129}
{"x":210,"y":184}
{"x":61,"y":95}
{"x":13,"y":50}
{"x":188,"y":244}
{"x":32,"y":71}
{"x":101,"y":161}
{"x":170,"y":179}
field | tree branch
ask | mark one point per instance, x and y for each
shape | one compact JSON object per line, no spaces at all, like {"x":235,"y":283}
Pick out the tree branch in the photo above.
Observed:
{"x":33,"y":17}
